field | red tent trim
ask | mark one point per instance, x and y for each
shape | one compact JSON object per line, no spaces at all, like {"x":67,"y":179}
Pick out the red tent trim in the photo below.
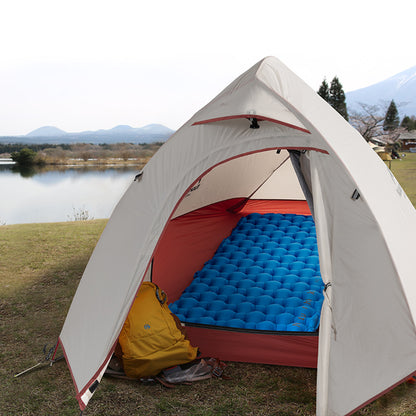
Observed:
{"x":250,"y":116}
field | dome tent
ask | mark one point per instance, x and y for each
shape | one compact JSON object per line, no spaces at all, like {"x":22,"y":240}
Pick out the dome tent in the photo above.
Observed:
{"x":267,"y":138}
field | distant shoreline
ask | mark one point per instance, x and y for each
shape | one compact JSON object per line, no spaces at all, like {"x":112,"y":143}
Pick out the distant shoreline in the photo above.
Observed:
{"x":79,"y":163}
{"x":82,"y":154}
{"x":101,"y":162}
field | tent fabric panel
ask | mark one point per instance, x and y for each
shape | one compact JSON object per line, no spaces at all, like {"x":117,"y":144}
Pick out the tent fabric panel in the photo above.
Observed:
{"x":192,"y":239}
{"x":241,"y":177}
{"x":107,"y":289}
{"x":282,"y":184}
{"x":288,"y":350}
{"x":372,"y":336}
{"x":248,"y":95}
{"x":277,"y":207}
{"x":381,"y":394}
{"x":325,"y":325}
{"x":85,"y":395}
{"x":188,"y":242}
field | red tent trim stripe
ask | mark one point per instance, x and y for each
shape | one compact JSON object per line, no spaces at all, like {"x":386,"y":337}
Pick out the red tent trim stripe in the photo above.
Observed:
{"x":249,"y":116}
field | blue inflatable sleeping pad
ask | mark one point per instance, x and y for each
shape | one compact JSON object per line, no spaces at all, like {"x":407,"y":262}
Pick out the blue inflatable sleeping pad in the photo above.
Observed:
{"x":265,"y":276}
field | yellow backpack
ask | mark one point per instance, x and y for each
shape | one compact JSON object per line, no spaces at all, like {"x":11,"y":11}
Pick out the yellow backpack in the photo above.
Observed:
{"x":151,"y":339}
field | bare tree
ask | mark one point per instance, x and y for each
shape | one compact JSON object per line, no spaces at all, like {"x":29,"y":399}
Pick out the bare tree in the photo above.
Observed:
{"x":369,"y":122}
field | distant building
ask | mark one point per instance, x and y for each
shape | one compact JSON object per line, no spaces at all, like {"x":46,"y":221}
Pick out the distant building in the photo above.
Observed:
{"x":408,"y":140}
{"x":376,"y":141}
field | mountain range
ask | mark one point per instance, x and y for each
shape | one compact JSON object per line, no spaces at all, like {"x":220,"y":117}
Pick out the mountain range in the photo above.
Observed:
{"x":400,"y":87}
{"x":118,"y":134}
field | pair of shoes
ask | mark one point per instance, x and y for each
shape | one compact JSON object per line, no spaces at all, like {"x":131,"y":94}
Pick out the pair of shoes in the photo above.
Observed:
{"x":198,"y":370}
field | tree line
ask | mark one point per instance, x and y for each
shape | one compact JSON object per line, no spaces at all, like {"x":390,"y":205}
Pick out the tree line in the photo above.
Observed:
{"x":7,"y":148}
{"x":46,"y":154}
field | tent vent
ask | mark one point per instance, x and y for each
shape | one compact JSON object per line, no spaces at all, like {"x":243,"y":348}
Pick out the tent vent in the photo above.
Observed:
{"x":138,"y":176}
{"x":94,"y":386}
{"x":254,"y":123}
{"x":355,"y":195}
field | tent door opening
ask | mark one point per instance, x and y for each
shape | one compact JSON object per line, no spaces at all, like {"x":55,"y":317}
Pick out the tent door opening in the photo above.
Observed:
{"x":252,"y":272}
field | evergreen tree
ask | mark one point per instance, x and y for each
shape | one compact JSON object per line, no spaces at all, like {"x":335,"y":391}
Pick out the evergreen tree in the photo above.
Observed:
{"x":392,"y":120}
{"x":324,"y":90}
{"x":409,"y":123}
{"x":26,"y":157}
{"x":412,"y":124}
{"x":406,"y":122}
{"x":337,"y":98}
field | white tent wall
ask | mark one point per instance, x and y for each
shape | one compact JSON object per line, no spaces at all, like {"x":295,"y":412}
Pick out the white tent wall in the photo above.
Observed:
{"x":372,"y":339}
{"x":352,"y":236}
{"x":386,"y":257}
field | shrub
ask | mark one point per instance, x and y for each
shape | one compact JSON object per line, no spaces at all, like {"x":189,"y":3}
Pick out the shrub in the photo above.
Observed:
{"x":25,"y":157}
{"x":80,"y":214}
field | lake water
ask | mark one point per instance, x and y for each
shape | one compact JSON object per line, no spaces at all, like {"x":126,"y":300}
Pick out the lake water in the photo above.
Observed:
{"x":58,"y":195}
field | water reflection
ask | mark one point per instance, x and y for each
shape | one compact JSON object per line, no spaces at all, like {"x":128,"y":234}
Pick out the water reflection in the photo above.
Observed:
{"x":29,"y":171}
{"x":24,"y":171}
{"x":48,"y":194}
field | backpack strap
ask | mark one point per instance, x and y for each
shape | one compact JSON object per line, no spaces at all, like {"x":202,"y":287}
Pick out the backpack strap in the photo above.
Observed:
{"x":161,"y":295}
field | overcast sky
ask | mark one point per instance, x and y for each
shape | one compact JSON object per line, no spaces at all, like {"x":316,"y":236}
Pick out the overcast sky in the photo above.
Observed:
{"x":90,"y":64}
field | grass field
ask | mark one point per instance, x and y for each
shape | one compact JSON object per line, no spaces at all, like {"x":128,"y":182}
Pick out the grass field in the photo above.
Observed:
{"x":40,"y":267}
{"x":405,"y":172}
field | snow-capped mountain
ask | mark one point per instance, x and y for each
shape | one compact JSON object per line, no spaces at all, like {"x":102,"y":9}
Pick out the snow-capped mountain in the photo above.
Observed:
{"x":400,"y":87}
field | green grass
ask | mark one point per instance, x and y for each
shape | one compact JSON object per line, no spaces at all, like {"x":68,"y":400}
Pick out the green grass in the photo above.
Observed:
{"x":405,"y":172}
{"x":40,"y":267}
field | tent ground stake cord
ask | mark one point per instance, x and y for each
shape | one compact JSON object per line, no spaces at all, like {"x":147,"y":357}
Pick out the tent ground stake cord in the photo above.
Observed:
{"x":39,"y":365}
